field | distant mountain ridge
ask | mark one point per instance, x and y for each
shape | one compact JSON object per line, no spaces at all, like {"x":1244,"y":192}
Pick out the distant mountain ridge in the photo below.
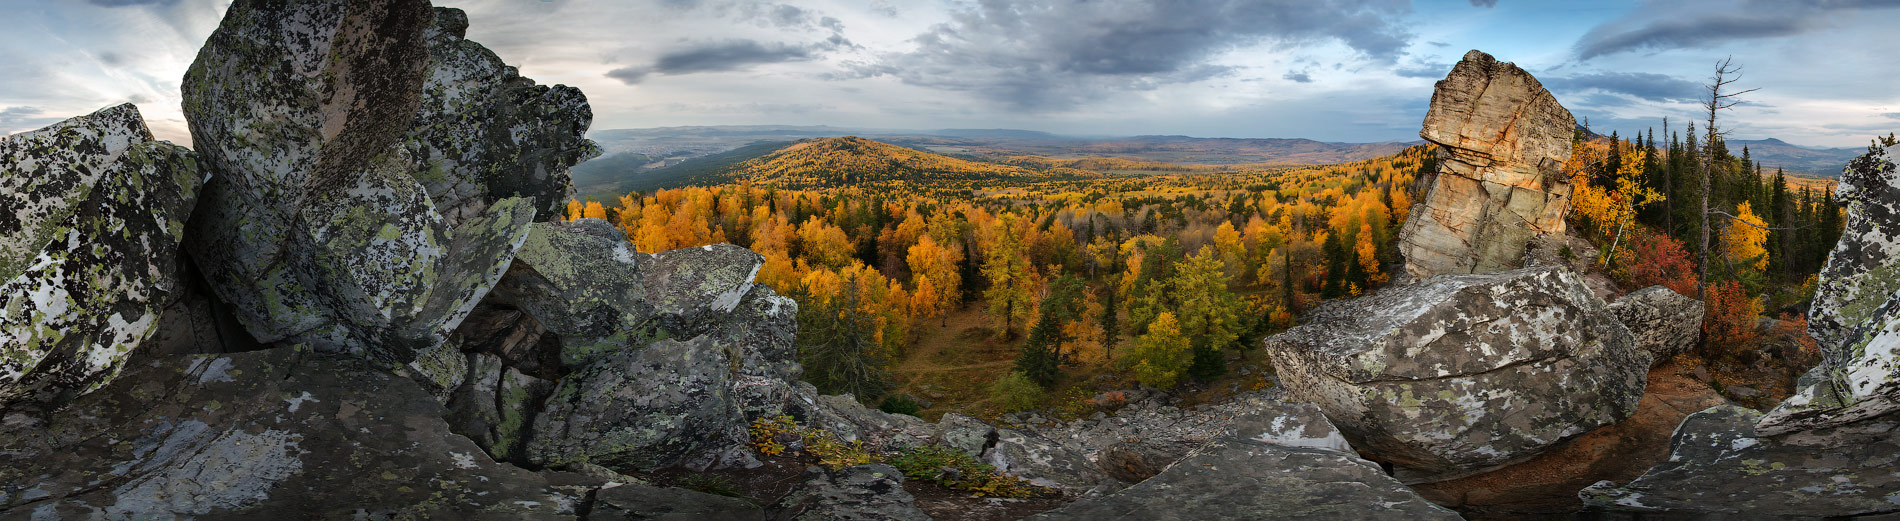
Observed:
{"x":647,"y":158}
{"x":1774,"y":153}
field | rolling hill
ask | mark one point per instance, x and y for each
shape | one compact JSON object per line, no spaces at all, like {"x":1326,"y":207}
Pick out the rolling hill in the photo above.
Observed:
{"x":850,"y":160}
{"x":1774,"y":153}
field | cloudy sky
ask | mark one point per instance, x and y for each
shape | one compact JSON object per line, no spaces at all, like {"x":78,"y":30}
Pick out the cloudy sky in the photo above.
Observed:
{"x":1349,"y":70}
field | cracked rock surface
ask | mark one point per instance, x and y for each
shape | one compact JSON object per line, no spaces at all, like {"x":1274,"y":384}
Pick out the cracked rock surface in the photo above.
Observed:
{"x":91,"y":215}
{"x":1458,"y":374}
{"x":1500,"y":183}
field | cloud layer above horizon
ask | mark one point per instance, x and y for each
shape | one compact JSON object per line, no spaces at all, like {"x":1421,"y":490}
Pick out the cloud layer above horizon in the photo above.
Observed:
{"x":1346,"y":70}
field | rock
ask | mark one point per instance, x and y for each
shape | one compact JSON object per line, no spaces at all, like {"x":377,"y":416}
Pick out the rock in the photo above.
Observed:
{"x":641,"y":503}
{"x":1720,"y":465}
{"x":641,"y":408}
{"x":264,"y":433}
{"x":1500,"y":182}
{"x":1855,"y":315}
{"x":1664,"y":323}
{"x":1458,"y":374}
{"x":1244,"y":479}
{"x":1546,"y":485}
{"x":91,"y":215}
{"x":966,"y":434}
{"x":321,"y":224}
{"x":861,"y":493}
{"x":1045,"y":462}
{"x":484,"y":134}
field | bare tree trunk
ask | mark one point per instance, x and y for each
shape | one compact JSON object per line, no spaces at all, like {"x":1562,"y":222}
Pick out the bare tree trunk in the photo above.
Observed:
{"x":1725,"y":74}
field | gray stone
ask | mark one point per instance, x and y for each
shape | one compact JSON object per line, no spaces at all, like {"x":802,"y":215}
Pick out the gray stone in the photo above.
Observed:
{"x":484,"y":134}
{"x":93,"y":215}
{"x":1458,"y":374}
{"x":966,"y":434}
{"x":1243,"y":479}
{"x":248,"y":435}
{"x":1721,"y":466}
{"x":1856,"y":315}
{"x":861,"y":493}
{"x":1664,"y":323}
{"x":1500,"y":182}
{"x":641,"y":503}
{"x":321,"y":223}
{"x":641,"y":408}
{"x":1047,"y":463}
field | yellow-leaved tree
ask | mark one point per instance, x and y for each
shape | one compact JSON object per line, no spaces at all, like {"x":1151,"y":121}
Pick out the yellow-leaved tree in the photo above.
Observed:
{"x":1744,"y":242}
{"x":1163,"y":354}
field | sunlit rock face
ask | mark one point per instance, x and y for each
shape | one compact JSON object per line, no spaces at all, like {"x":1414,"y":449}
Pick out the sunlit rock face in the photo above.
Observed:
{"x":1458,"y":374}
{"x":1499,"y":184}
{"x":358,"y":201}
{"x":91,"y":215}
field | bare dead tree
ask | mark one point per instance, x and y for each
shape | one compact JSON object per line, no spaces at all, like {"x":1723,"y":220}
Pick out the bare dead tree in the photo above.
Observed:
{"x":1726,"y":73}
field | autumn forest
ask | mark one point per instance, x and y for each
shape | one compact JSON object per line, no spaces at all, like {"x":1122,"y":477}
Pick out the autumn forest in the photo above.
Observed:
{"x":995,"y":284}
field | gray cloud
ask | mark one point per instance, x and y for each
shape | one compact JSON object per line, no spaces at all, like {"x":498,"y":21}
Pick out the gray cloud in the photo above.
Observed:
{"x":1645,"y":85}
{"x":1424,"y":70}
{"x":126,"y":3}
{"x":14,"y":119}
{"x":1299,"y":76}
{"x":1892,"y":115}
{"x":729,"y":55}
{"x":1705,"y":23}
{"x":1484,"y":3}
{"x":1056,"y":54}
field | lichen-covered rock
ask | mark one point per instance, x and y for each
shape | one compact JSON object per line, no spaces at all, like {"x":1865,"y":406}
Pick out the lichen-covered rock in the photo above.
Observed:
{"x":641,"y":408}
{"x":1499,"y":184}
{"x":93,"y":215}
{"x":260,"y":434}
{"x":1048,"y":463}
{"x":966,"y":434}
{"x":861,"y":493}
{"x":1663,"y":322}
{"x":323,"y":222}
{"x":1457,"y":374}
{"x":640,"y":503}
{"x":1721,"y":467}
{"x":1245,"y":479}
{"x":584,"y":282}
{"x":1856,"y":315}
{"x":484,"y":133}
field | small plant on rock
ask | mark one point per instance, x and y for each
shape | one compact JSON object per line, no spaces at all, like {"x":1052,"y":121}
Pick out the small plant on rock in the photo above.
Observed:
{"x":958,"y":471}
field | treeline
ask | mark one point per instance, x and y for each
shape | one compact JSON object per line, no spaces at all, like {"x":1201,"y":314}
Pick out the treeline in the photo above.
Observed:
{"x":1640,"y":201}
{"x":1186,"y":267}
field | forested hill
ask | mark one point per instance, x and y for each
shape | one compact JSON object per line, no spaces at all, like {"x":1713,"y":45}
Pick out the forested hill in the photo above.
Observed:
{"x":855,"y":161}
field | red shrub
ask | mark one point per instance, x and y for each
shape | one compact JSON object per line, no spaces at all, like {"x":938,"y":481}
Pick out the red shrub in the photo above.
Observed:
{"x":1654,"y":258}
{"x":1732,"y":318}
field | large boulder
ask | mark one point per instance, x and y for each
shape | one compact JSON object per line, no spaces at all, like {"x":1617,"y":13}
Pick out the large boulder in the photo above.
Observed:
{"x":1500,"y":183}
{"x":1721,"y":466}
{"x":1665,"y":323}
{"x":91,"y":215}
{"x":1458,"y":374}
{"x":641,"y":408}
{"x":591,"y":352}
{"x":264,"y":433}
{"x":1286,"y":465}
{"x":1856,"y":315}
{"x":484,"y":134}
{"x":343,"y":212}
